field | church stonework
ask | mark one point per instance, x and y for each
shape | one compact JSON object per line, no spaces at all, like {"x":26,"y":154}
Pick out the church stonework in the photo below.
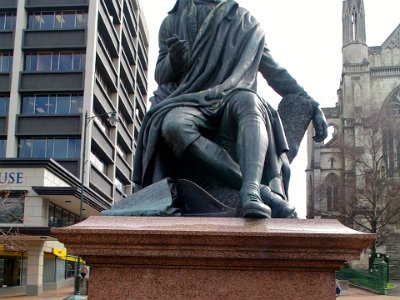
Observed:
{"x":370,"y":84}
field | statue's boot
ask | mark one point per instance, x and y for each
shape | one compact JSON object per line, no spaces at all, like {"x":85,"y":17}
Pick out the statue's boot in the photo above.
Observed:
{"x":279,"y":207}
{"x":218,"y":160}
{"x":251,"y":147}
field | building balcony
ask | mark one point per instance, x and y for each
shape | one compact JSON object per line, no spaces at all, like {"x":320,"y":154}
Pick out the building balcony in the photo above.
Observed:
{"x":140,"y":102}
{"x":101,"y":183}
{"x":129,"y":46}
{"x":127,"y":137}
{"x":102,"y":97}
{"x":141,"y":79}
{"x":107,"y":63}
{"x":130,"y":21}
{"x":126,"y":103}
{"x":103,"y":142}
{"x":114,"y":9}
{"x":124,"y":168}
{"x":143,"y":55}
{"x":107,"y":31}
{"x":50,"y":39}
{"x":51,"y":81}
{"x":6,"y":40}
{"x":127,"y":74}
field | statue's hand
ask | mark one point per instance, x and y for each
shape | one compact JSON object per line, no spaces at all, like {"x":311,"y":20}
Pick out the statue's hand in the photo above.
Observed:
{"x":320,"y":125}
{"x":178,"y":50}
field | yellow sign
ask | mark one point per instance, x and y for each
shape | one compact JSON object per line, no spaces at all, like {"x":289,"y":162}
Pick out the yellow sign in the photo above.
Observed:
{"x":60,"y":252}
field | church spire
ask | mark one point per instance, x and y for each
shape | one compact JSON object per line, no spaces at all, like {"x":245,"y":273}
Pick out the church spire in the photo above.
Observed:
{"x":353,"y":22}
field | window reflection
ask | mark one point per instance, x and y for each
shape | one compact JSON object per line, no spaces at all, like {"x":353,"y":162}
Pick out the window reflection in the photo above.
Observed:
{"x":59,"y":216}
{"x":54,"y":61}
{"x":56,"y":20}
{"x":51,"y":104}
{"x":4,"y":101}
{"x":5,"y":62}
{"x":66,"y":62}
{"x":7,"y":21}
{"x":60,"y":148}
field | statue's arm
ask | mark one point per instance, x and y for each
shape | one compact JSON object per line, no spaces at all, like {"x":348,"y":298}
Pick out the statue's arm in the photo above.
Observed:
{"x":168,"y":69}
{"x":284,"y":84}
{"x":278,"y":78}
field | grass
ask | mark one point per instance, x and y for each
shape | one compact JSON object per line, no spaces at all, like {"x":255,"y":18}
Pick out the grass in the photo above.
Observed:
{"x":390,"y":285}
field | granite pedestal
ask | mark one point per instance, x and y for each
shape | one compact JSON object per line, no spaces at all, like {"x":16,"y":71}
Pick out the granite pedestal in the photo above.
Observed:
{"x":212,"y":258}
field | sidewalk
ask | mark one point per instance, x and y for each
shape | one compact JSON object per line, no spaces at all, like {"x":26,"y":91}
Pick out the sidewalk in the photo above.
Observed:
{"x":59,"y":294}
{"x":354,"y":293}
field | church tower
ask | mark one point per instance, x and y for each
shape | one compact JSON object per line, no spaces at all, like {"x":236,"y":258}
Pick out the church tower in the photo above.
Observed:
{"x":339,"y":169}
{"x":353,"y":22}
{"x":354,"y":38}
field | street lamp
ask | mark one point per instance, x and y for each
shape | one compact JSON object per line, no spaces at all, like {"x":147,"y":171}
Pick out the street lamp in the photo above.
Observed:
{"x":112,"y":118}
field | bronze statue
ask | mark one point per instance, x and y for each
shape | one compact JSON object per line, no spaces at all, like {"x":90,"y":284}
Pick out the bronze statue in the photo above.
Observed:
{"x":207,"y":110}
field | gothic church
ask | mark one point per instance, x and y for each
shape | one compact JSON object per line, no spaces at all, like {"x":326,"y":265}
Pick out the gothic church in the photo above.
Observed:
{"x":369,"y":91}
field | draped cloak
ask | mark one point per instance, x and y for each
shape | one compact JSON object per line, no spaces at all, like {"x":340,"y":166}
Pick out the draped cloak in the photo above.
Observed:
{"x":225,"y":55}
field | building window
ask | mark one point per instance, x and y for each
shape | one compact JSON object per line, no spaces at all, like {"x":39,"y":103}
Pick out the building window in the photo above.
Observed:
{"x":4,"y":102}
{"x":57,"y":20}
{"x":119,"y":185}
{"x":5,"y":62}
{"x":104,"y":83}
{"x":100,"y":122}
{"x":59,"y":148}
{"x":121,"y":151}
{"x":60,"y":217}
{"x":54,"y":61}
{"x":3,"y":144}
{"x":11,"y":207}
{"x":331,"y":185}
{"x":13,"y":268}
{"x":98,"y":163}
{"x":7,"y":21}
{"x":391,"y":136}
{"x":51,"y":104}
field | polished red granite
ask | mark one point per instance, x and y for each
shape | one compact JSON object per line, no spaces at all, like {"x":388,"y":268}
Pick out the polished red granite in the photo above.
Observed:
{"x":212,"y":258}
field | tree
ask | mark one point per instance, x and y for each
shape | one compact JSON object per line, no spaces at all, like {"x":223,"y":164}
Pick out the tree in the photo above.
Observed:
{"x":11,"y":212}
{"x":372,"y":188}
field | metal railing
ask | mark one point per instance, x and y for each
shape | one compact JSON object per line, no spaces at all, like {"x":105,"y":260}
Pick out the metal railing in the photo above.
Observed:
{"x":375,"y":279}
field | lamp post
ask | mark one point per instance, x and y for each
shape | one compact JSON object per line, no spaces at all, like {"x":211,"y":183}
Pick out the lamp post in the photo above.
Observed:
{"x":113,"y":119}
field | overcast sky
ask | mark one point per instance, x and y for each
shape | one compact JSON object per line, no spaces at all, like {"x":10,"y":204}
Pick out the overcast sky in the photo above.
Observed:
{"x":305,"y":37}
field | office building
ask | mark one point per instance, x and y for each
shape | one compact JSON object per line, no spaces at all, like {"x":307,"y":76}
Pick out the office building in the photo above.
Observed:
{"x":59,"y":61}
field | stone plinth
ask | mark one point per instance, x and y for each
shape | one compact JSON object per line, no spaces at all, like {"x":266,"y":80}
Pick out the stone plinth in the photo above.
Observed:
{"x":212,"y":258}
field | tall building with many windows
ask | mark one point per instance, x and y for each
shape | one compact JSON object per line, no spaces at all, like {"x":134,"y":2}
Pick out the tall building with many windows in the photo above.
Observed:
{"x":73,"y":85}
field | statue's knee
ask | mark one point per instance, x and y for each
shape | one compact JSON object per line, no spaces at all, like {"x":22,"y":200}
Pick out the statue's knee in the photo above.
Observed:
{"x":171,"y":127}
{"x":245,"y":103}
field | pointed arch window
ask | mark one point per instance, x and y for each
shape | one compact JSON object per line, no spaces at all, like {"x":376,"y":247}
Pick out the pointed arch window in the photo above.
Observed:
{"x":354,"y":22}
{"x":331,"y":184}
{"x":391,"y":135}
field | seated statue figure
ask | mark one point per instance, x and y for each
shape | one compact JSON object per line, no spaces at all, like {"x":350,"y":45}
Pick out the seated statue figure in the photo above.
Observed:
{"x":210,"y":52}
